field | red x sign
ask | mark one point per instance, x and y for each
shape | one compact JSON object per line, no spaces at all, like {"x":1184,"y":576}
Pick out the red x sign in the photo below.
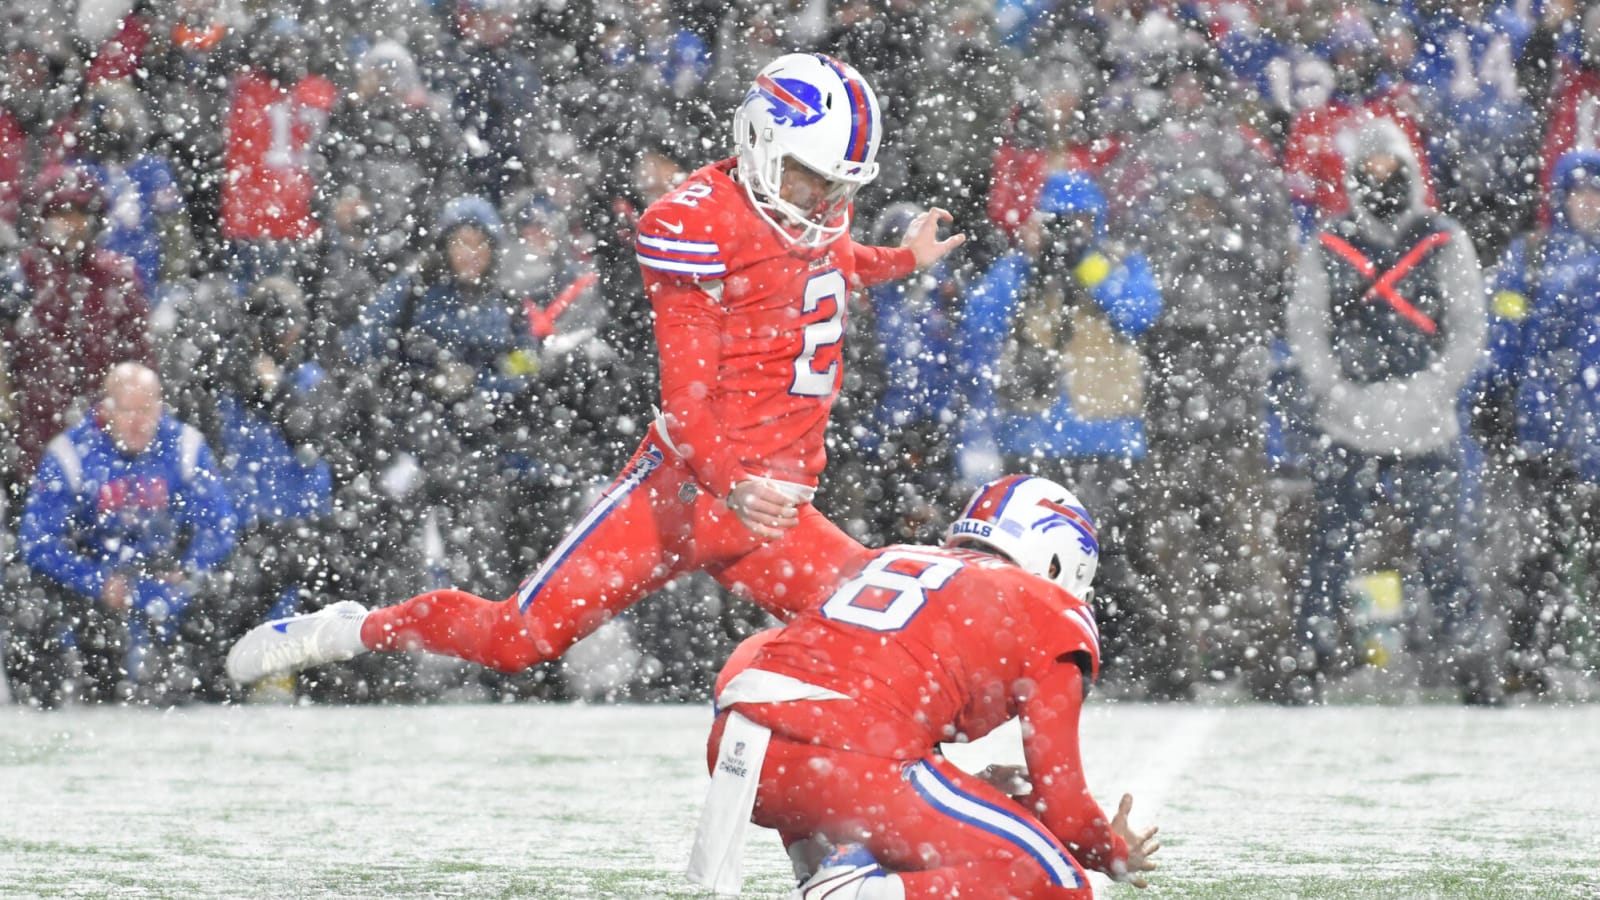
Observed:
{"x":542,"y":321}
{"x":1383,"y":285}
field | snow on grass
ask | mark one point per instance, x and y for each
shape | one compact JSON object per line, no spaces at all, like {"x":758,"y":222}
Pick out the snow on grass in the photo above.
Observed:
{"x":555,"y":801}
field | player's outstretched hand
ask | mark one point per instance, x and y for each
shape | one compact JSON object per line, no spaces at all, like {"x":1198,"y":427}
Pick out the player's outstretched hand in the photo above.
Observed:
{"x":763,"y":508}
{"x":922,"y":237}
{"x":1140,"y":846}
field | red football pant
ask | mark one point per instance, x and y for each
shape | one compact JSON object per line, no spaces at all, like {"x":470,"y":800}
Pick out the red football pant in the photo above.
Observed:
{"x":944,"y":832}
{"x":652,"y":524}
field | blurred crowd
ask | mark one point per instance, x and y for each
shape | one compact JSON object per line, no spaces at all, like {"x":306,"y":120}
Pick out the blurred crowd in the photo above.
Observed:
{"x":326,"y":300}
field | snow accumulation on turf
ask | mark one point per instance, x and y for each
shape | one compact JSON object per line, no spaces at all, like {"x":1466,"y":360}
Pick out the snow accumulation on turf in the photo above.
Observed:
{"x":558,"y":801}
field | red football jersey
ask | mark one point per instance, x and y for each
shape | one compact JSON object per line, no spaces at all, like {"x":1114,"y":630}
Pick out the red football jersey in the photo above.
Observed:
{"x":271,"y":134}
{"x":925,"y":645}
{"x":750,"y":329}
{"x":930,"y":645}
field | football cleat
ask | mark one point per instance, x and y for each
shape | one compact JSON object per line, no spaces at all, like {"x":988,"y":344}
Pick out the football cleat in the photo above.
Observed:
{"x":332,"y":634}
{"x":851,"y":873}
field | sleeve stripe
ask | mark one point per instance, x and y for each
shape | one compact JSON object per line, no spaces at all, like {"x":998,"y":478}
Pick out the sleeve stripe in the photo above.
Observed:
{"x":67,"y":456}
{"x":190,"y":443}
{"x":694,"y":248}
{"x":1087,"y":619}
{"x":674,"y":256}
{"x":687,"y":268}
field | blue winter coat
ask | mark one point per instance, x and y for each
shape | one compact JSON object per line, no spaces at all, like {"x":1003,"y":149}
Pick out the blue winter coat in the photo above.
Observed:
{"x":93,"y":511}
{"x":1131,"y":300}
{"x":267,"y":477}
{"x":136,"y":197}
{"x":920,"y":350}
{"x":1485,"y":109}
{"x":478,"y":326}
{"x":1547,"y":330}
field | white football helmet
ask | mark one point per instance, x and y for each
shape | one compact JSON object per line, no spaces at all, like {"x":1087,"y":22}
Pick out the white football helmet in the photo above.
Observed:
{"x":819,"y":112}
{"x":1037,"y":524}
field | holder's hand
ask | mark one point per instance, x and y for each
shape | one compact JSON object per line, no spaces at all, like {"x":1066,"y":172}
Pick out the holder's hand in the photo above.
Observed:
{"x":1140,"y":847}
{"x":763,"y":508}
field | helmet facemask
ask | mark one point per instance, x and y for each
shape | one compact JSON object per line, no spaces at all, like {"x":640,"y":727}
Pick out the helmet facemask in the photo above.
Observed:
{"x":761,"y":170}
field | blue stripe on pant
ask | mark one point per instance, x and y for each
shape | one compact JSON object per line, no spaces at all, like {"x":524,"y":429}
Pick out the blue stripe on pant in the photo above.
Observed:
{"x":1008,"y":824}
{"x":633,"y":476}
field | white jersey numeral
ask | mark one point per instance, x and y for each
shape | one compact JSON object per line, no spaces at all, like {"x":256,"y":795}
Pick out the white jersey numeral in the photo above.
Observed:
{"x":282,"y":152}
{"x":890,"y":590}
{"x":821,"y":336}
{"x":692,"y":194}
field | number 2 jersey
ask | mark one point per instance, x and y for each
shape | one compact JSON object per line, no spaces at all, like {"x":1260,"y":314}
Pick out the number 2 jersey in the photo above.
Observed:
{"x":750,"y":328}
{"x":925,"y":645}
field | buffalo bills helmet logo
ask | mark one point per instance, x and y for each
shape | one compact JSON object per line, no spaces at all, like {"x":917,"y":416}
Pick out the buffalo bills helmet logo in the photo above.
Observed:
{"x":790,"y":100}
{"x":1059,"y":515}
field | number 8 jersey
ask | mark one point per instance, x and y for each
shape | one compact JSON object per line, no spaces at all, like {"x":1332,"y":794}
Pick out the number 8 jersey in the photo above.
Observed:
{"x":750,"y":328}
{"x":922,"y":645}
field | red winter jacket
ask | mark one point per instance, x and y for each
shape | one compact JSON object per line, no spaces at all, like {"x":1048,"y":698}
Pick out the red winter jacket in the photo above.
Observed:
{"x":82,"y":315}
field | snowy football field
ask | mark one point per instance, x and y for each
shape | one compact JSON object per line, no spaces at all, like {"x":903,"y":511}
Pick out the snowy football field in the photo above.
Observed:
{"x":556,"y":801}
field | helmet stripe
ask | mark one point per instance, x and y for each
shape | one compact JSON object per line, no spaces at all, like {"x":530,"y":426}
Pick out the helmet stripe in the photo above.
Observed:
{"x":995,"y":497}
{"x":861,"y":123}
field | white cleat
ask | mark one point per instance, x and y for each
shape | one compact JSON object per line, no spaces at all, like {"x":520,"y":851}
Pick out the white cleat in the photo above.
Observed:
{"x":331,"y":634}
{"x":851,"y":873}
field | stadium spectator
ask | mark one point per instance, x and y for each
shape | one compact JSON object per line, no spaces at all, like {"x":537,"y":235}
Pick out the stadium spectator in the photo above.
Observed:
{"x":1387,"y":325}
{"x":31,"y":106}
{"x":272,"y":156}
{"x":1054,"y":377}
{"x":565,"y":427}
{"x":1050,"y":131}
{"x":394,"y":156}
{"x":125,"y":524}
{"x":456,"y":358}
{"x":1276,"y":51}
{"x":1318,"y":134}
{"x":494,"y":89}
{"x":971,"y":76}
{"x":1482,"y":125}
{"x":1574,"y":107}
{"x":183,"y":72}
{"x":144,"y":209}
{"x":74,"y":311}
{"x":1546,"y":345}
{"x":836,"y":719}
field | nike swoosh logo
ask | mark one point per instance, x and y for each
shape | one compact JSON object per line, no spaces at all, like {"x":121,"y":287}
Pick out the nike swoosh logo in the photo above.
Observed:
{"x":674,"y":227}
{"x":281,"y":627}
